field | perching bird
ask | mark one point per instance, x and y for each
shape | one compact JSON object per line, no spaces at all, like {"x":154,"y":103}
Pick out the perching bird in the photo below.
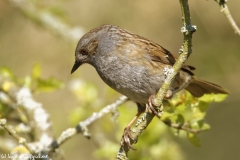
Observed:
{"x":134,"y":66}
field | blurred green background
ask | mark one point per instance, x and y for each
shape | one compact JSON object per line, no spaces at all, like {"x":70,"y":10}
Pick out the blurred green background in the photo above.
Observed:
{"x":216,"y":55}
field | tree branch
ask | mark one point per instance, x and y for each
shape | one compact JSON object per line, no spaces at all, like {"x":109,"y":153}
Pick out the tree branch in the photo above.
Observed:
{"x":188,"y":29}
{"x":39,"y":119}
{"x":82,"y":126}
{"x":226,"y":12}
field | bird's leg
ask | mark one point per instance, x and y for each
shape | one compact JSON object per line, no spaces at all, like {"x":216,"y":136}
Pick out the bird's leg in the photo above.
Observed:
{"x":127,"y":137}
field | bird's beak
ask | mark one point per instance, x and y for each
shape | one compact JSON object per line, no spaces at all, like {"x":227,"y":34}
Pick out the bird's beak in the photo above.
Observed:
{"x":75,"y":66}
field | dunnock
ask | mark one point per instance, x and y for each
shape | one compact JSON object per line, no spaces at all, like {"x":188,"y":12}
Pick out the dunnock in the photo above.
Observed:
{"x":135,"y":67}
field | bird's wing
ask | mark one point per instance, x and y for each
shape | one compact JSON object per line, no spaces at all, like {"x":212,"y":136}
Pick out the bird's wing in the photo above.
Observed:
{"x":157,"y":53}
{"x":162,"y":55}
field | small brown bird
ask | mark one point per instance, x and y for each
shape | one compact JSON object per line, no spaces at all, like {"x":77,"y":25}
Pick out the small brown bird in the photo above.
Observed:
{"x":135,"y":67}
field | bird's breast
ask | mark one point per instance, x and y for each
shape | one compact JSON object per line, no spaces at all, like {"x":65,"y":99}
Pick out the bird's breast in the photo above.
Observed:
{"x":129,"y":76}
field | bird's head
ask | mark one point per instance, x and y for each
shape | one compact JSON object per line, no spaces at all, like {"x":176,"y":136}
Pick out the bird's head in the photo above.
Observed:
{"x":85,"y":50}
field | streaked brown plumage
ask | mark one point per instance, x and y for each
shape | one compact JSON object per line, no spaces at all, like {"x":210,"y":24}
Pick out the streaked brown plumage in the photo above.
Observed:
{"x":134,"y":66}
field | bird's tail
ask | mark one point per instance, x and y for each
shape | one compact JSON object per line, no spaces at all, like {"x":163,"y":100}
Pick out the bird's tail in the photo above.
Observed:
{"x":200,"y":87}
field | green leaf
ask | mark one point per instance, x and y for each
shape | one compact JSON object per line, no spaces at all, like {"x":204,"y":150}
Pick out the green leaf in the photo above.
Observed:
{"x":36,"y":71}
{"x":49,"y":84}
{"x":203,"y":106}
{"x":189,"y":98}
{"x":207,"y":98}
{"x":181,"y":108}
{"x":180,"y":119}
{"x":200,"y":123}
{"x":220,"y":97}
{"x":197,"y":115}
{"x":206,"y":127}
{"x":193,"y":139}
{"x":213,"y":97}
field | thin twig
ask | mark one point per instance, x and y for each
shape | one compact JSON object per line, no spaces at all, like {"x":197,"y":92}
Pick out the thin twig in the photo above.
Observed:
{"x":21,"y":140}
{"x":48,"y":20}
{"x":226,"y":12}
{"x":186,"y":50}
{"x":184,"y":127}
{"x":82,"y":126}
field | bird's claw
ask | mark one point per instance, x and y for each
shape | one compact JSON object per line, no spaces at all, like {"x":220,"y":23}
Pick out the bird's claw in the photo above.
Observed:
{"x":151,"y":108}
{"x":127,"y":138}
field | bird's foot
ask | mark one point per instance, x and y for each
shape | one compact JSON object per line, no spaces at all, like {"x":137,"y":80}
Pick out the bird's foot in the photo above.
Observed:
{"x":151,"y":106}
{"x":127,"y":138}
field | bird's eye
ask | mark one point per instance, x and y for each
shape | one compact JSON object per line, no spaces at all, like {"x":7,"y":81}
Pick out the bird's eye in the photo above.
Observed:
{"x":83,"y":52}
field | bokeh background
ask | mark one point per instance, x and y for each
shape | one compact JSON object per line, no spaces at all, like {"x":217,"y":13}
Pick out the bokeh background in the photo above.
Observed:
{"x":216,"y":55}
